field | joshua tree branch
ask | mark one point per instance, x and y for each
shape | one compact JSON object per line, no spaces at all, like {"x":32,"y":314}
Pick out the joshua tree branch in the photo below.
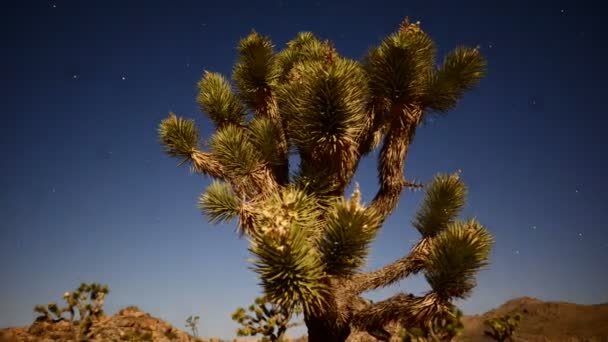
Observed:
{"x":406,"y":309}
{"x":404,"y":120}
{"x":399,"y":269}
{"x":203,"y":162}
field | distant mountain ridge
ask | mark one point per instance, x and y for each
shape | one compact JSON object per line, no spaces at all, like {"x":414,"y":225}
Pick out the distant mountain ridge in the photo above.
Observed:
{"x":545,"y":321}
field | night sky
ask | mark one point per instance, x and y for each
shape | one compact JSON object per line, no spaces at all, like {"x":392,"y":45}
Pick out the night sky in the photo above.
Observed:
{"x":88,"y":194}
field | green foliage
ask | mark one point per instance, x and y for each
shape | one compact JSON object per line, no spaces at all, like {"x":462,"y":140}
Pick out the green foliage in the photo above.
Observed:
{"x":87,"y":298}
{"x":326,"y":108}
{"x":219,"y":203}
{"x":254,"y":70}
{"x":266,"y":319}
{"x":179,"y":136}
{"x":398,"y":68}
{"x":233,"y":148}
{"x":192,"y":323}
{"x":445,"y":198}
{"x":215,"y":98}
{"x":462,"y":69}
{"x":264,"y":133}
{"x":502,"y":328}
{"x":456,"y":255}
{"x":349,"y":229}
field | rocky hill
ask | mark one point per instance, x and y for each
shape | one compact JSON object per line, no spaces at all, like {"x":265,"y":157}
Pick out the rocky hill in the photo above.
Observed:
{"x":545,"y":321}
{"x":129,"y":324}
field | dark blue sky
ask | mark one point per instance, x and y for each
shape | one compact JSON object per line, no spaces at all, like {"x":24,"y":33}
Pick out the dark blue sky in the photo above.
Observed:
{"x":88,"y":194}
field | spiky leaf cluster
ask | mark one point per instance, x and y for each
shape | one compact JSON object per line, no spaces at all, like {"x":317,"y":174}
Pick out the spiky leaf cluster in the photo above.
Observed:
{"x":219,"y":203}
{"x":349,"y":230}
{"x":461,"y":70}
{"x":232,"y":147}
{"x":456,"y":255}
{"x":179,"y":136}
{"x":445,"y":198}
{"x":216,"y":98}
{"x":254,"y":70}
{"x":287,"y":227}
{"x":398,"y":67}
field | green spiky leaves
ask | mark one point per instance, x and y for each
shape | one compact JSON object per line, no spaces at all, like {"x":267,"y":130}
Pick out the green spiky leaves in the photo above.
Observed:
{"x":232,"y":147}
{"x":461,"y":70}
{"x":219,"y":203}
{"x":455,"y":256}
{"x":445,"y":198}
{"x":327,"y":107}
{"x":283,"y":242}
{"x":397,"y":68}
{"x":264,"y":133}
{"x":349,"y":230}
{"x":264,"y":318}
{"x":254,"y":70}
{"x":179,"y":136}
{"x":216,"y":98}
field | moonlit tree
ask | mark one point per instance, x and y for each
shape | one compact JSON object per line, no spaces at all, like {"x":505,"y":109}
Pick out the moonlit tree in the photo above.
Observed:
{"x":309,"y":239}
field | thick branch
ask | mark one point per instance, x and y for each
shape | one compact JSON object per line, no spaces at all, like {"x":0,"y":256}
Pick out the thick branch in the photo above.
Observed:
{"x":404,"y":120}
{"x":203,"y":162}
{"x":407,"y":309}
{"x":391,"y":273}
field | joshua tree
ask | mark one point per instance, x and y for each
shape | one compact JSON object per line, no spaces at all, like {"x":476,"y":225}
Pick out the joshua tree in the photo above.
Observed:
{"x":308,"y":240}
{"x":266,"y":319}
{"x":502,"y":328}
{"x":192,"y":323}
{"x":87,"y":298}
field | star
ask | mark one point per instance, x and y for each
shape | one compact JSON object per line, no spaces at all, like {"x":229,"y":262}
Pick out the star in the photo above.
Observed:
{"x":533,"y":227}
{"x":54,"y":5}
{"x":580,"y":235}
{"x":53,"y":190}
{"x":124,"y":78}
{"x":576,"y":191}
{"x":516,"y":252}
{"x":562,"y":11}
{"x":75,"y":76}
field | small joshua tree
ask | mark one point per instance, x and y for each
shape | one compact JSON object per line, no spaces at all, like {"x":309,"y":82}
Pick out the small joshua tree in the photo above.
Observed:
{"x":502,"y":328}
{"x":310,"y":242}
{"x":192,"y":323}
{"x":87,"y":298}
{"x":266,"y":319}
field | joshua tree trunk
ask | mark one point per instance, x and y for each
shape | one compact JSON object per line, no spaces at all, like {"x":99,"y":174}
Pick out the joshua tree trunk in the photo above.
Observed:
{"x":320,"y":330}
